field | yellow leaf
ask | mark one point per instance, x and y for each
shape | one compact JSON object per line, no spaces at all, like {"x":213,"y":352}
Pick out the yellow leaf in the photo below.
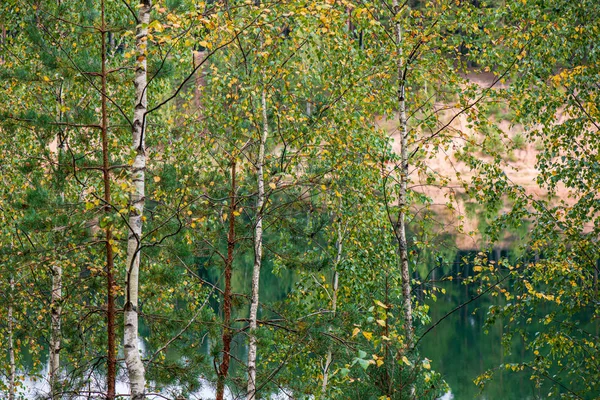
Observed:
{"x":368,"y":335}
{"x":379,"y":363}
{"x":406,"y":361}
{"x":355,"y":332}
{"x":380,"y":304}
{"x":236,"y":213}
{"x":46,"y":78}
{"x":272,"y":185}
{"x":157,"y":179}
{"x":204,"y":43}
{"x":380,"y":322}
{"x":426,"y":364}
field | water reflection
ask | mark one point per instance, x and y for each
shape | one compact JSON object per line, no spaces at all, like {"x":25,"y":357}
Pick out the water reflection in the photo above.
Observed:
{"x":458,"y":347}
{"x":461,"y":350}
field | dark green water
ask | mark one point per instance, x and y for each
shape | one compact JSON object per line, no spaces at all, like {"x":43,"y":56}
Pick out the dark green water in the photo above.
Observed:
{"x":461,"y":350}
{"x":458,"y":347}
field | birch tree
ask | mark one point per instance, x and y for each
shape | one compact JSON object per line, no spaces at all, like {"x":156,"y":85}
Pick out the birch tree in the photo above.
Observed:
{"x":403,"y":169}
{"x":334,"y":298}
{"x":55,"y":339}
{"x":258,"y":245}
{"x":552,"y":93}
{"x":12,"y":372}
{"x":227,"y":335}
{"x":135,"y":367}
{"x":54,"y":348}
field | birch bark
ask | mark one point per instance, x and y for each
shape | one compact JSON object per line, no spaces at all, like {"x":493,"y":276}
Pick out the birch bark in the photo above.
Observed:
{"x":11,"y":346}
{"x":55,"y":342}
{"x":334,"y":283}
{"x":227,"y":331}
{"x":402,"y":196}
{"x":133,"y":359}
{"x":258,"y":239}
{"x":56,"y":296}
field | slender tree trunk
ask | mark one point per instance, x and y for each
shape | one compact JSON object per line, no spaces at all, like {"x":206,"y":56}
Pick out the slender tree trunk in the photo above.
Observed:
{"x":334,"y":284}
{"x":56,"y":297}
{"x":111,"y":360}
{"x":258,"y":239}
{"x":227,"y":332}
{"x":402,"y":196}
{"x":11,"y":345}
{"x":55,"y":334}
{"x":133,"y":360}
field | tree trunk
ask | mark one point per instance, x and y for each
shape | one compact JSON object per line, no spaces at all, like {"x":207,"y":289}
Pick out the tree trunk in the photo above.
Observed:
{"x":133,"y":359}
{"x":11,"y":345}
{"x":56,"y":297}
{"x":227,"y":331}
{"x":402,"y":196}
{"x":334,"y":283}
{"x":55,"y":334}
{"x":258,"y":238}
{"x":111,"y":360}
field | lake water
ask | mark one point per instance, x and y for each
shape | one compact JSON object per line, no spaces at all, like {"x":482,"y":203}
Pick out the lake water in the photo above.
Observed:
{"x":457,"y":347}
{"x":461,"y":350}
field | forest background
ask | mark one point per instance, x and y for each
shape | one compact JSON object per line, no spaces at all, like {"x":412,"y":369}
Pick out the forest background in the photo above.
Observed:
{"x":268,"y":199}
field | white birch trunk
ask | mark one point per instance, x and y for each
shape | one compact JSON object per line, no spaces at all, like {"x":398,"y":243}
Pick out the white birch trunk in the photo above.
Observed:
{"x":258,"y":239}
{"x":56,"y":296}
{"x":402,"y":196}
{"x":133,"y":360}
{"x":11,"y":346}
{"x":55,"y":334}
{"x":335,"y":282}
